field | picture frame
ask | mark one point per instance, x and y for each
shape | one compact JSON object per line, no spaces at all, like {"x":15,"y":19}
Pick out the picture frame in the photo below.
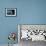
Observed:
{"x":41,"y":28}
{"x":11,"y":12}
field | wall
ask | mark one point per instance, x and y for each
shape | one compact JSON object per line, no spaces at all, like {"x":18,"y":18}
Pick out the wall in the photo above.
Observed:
{"x":28,"y":12}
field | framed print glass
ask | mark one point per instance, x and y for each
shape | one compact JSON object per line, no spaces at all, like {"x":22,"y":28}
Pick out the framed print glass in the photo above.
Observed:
{"x":10,"y":11}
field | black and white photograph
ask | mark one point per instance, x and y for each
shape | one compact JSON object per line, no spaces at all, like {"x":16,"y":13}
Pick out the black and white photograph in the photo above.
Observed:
{"x":31,"y":34}
{"x":10,"y":11}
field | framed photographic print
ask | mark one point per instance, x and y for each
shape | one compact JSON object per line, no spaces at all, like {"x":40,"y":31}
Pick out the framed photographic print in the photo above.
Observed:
{"x":33,"y":32}
{"x":11,"y":11}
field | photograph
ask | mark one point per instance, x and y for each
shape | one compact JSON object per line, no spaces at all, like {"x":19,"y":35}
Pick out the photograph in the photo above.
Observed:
{"x":28,"y":33}
{"x":10,"y":11}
